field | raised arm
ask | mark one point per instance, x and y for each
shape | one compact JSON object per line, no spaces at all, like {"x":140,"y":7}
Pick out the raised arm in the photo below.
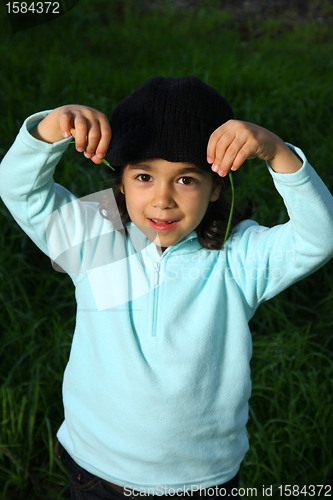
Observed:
{"x":27,"y":187}
{"x":269,"y":259}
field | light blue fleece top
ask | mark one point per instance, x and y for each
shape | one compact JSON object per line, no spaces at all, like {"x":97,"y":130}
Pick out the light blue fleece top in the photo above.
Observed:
{"x":157,"y":384}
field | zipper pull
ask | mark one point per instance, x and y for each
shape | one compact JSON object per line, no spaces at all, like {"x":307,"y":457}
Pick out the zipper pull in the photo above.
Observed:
{"x":157,"y":274}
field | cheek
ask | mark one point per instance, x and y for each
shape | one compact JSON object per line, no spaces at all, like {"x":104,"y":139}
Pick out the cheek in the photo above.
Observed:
{"x":198,"y":203}
{"x":134,"y":203}
{"x":202,"y":212}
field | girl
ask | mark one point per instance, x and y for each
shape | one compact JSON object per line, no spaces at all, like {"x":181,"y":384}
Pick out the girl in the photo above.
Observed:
{"x":157,"y":385}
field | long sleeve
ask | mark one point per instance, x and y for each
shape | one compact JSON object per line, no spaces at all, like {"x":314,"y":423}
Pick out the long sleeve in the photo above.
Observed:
{"x":268,"y":260}
{"x":26,"y":181}
{"x":64,"y":227}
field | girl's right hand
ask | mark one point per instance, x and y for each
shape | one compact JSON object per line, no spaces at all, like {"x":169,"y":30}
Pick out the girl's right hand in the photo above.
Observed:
{"x":89,"y":127}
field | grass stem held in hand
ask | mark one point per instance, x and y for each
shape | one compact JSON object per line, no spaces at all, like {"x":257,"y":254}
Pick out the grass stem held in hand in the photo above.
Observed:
{"x":103,"y":160}
{"x":231,"y":208}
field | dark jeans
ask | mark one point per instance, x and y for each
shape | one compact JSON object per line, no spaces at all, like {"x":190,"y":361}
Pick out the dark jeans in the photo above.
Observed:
{"x":86,"y":486}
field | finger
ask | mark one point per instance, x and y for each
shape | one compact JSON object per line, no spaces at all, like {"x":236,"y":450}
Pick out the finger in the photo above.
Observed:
{"x":81,"y":130}
{"x":95,"y":159}
{"x":93,"y":138}
{"x":105,"y":138}
{"x":66,"y":123}
{"x":231,"y":153}
{"x":242,"y":155}
{"x":223,"y":152}
{"x":222,"y":132}
{"x":211,"y":146}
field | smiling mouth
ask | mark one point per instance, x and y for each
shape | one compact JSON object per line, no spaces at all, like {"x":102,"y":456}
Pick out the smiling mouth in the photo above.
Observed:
{"x":163,"y":221}
{"x":162,"y":224}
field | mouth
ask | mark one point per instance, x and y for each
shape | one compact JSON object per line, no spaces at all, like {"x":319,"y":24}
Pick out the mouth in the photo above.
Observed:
{"x":162,"y":224}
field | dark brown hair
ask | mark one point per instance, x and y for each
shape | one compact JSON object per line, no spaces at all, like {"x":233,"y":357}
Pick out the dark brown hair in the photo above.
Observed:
{"x":211,"y":230}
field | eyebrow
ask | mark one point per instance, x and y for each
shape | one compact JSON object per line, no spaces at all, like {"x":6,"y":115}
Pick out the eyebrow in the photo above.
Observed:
{"x":147,"y":168}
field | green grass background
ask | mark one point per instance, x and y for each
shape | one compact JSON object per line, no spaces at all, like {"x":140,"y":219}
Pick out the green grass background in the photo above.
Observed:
{"x":276,"y":73}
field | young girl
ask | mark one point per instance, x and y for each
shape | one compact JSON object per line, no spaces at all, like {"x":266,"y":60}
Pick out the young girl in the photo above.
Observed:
{"x":157,"y":385}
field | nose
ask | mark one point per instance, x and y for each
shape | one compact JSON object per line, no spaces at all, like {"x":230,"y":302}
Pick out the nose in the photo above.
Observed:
{"x":163,"y":196}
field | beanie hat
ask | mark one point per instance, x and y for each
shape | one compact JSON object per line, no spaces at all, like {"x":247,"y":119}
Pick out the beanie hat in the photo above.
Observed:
{"x":169,"y":118}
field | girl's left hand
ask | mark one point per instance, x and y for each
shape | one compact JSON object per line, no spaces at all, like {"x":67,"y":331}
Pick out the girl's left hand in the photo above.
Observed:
{"x":235,"y":141}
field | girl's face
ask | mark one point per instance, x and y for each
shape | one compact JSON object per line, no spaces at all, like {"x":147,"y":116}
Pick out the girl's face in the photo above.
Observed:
{"x":167,"y":200}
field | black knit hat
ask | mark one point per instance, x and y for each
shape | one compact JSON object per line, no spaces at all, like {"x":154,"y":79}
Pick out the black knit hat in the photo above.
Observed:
{"x":169,"y":118}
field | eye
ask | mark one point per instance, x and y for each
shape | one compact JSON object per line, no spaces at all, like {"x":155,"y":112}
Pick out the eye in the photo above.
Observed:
{"x":186,"y":180}
{"x":143,"y":177}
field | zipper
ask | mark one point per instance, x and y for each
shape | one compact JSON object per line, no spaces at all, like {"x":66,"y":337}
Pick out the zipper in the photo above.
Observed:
{"x":157,"y":267}
{"x":156,"y":290}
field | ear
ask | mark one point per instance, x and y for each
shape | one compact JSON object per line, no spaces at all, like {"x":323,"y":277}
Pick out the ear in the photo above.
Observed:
{"x":216,"y":190}
{"x":121,"y":187}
